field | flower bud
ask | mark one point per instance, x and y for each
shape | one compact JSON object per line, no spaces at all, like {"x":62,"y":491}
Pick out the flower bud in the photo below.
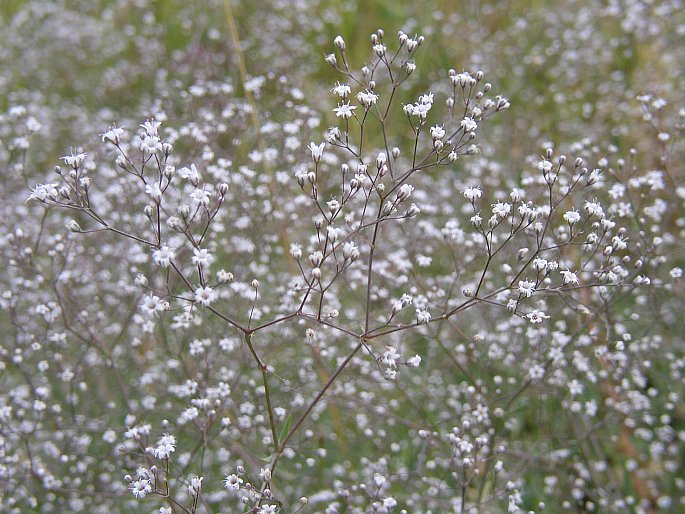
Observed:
{"x":339,"y":43}
{"x":73,"y":226}
{"x":330,"y":59}
{"x":412,"y":211}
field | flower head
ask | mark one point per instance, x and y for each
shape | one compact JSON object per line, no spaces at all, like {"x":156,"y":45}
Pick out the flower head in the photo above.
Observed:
{"x":345,"y":110}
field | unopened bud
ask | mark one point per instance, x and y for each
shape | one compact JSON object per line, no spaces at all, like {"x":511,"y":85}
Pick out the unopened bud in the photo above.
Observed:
{"x":330,"y":59}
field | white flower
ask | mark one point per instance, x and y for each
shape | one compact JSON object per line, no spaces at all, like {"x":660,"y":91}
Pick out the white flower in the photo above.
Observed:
{"x":414,"y":361}
{"x":342,"y":90}
{"x":536,"y":317}
{"x":575,"y":387}
{"x":536,"y":372}
{"x":152,"y":304}
{"x":233,"y":482}
{"x":350,"y":251}
{"x":44,"y":192}
{"x":437,"y":132}
{"x":154,"y":191}
{"x":545,"y":166}
{"x":569,"y":277}
{"x":472,"y":193}
{"x":163,"y":256}
{"x":316,"y":150}
{"x":501,"y":209}
{"x":74,"y":160}
{"x":421,"y":110}
{"x":165,"y":447}
{"x":367,"y":98}
{"x":572,"y":217}
{"x":468,"y":124}
{"x":594,"y":209}
{"x":422,"y":316}
{"x":426,"y":99}
{"x":140,"y":488}
{"x":191,"y":174}
{"x":113,"y":135}
{"x":345,"y":110}
{"x":150,"y":144}
{"x":526,"y":288}
{"x":332,"y":135}
{"x":195,"y":485}
{"x":339,"y":42}
{"x":389,"y":502}
{"x":202,"y":257}
{"x":296,"y":250}
{"x":199,"y":197}
{"x":404,"y":192}
{"x":151,"y":127}
{"x":205,"y":295}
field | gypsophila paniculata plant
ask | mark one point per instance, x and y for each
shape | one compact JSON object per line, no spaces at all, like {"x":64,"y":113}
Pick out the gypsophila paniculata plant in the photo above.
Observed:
{"x":251,"y":300}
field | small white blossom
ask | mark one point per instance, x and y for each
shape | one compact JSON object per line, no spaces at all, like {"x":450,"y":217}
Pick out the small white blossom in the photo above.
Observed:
{"x":163,"y":256}
{"x":205,"y":295}
{"x":233,"y":482}
{"x":367,"y":98}
{"x":569,"y":277}
{"x":345,"y":110}
{"x":316,"y":150}
{"x":140,"y":488}
{"x":472,"y":193}
{"x":342,"y":90}
{"x":526,"y":288}
{"x":468,"y":124}
{"x":572,"y":217}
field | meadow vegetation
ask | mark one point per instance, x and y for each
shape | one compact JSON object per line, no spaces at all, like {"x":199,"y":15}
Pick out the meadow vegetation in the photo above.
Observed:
{"x":366,"y":256}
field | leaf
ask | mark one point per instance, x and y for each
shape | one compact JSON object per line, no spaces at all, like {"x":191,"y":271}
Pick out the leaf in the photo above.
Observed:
{"x":285,"y":429}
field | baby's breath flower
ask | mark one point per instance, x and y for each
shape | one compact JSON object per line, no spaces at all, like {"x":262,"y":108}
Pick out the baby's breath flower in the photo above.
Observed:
{"x":342,"y":90}
{"x":345,"y":110}
{"x":316,"y":150}
{"x":572,"y":217}
{"x":205,"y":295}
{"x":163,"y":256}
{"x":140,"y":488}
{"x":233,"y":482}
{"x":526,"y":288}
{"x":113,"y":135}
{"x":468,"y":124}
{"x":472,"y":193}
{"x":367,"y":98}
